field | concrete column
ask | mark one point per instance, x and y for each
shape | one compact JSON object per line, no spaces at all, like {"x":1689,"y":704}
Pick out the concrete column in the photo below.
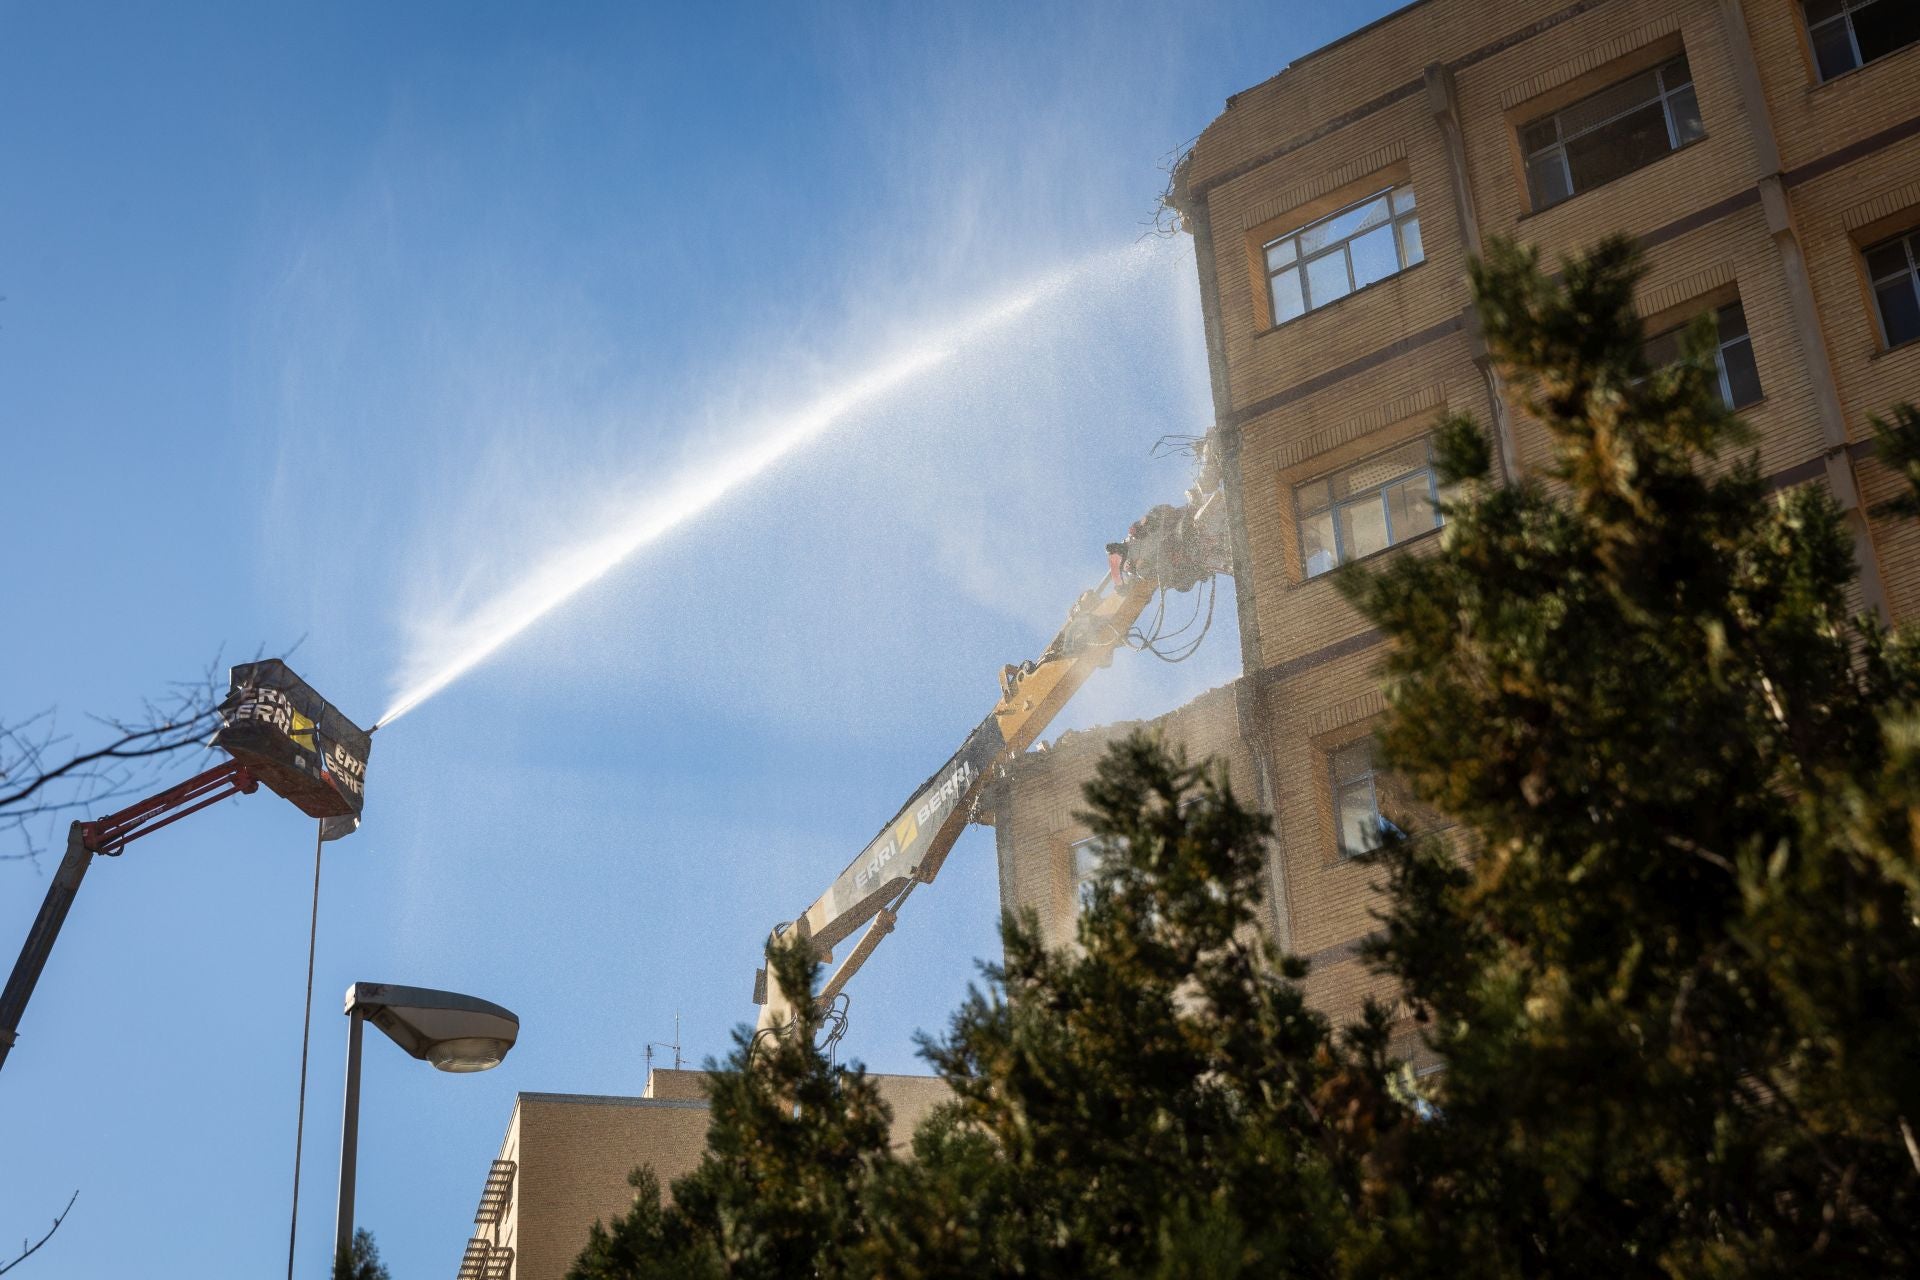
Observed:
{"x":1225,"y":440}
{"x":1443,"y":102}
{"x":1777,"y":203}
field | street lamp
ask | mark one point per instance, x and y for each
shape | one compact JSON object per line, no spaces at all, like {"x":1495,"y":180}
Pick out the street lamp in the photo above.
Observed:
{"x":451,"y":1031}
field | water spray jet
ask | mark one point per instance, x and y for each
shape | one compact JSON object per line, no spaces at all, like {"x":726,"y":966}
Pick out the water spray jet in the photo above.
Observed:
{"x":496,"y":622}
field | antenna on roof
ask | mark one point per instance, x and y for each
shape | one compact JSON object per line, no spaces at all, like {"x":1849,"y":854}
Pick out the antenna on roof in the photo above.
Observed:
{"x":661,"y":1044}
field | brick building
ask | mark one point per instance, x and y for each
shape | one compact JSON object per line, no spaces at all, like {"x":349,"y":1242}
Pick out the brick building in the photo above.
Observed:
{"x":564,"y":1162}
{"x":1767,"y":155}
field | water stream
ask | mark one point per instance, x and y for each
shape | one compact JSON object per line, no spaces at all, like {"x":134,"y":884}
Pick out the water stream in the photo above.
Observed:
{"x":450,"y":651}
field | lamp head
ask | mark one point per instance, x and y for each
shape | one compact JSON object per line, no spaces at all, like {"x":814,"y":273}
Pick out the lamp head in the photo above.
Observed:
{"x":453,"y":1032}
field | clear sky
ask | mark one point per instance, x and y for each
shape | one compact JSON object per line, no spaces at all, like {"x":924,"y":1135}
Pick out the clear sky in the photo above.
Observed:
{"x":333,"y":321}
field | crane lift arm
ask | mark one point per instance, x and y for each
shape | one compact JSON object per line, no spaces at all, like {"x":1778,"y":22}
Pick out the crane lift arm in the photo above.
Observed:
{"x":1170,"y":548}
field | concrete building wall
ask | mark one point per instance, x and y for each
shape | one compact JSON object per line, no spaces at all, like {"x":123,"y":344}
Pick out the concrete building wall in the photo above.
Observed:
{"x":1771,"y":207}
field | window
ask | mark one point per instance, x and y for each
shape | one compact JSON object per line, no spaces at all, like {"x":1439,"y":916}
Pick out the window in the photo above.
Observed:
{"x":1851,"y":33}
{"x":1356,"y":799}
{"x":1367,"y":507}
{"x":1623,"y":127}
{"x":1894,"y":268}
{"x":1739,"y":375}
{"x":1362,"y":244}
{"x":1086,"y":864}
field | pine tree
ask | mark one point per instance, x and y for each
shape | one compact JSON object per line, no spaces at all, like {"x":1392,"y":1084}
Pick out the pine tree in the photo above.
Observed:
{"x":1675,"y":982}
{"x":361,"y":1261}
{"x":1156,"y":1101}
{"x":1658,"y":913}
{"x":777,"y":1194}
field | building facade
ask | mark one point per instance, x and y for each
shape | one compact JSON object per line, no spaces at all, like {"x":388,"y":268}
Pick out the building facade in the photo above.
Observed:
{"x":1766,"y":154}
{"x":564,"y":1161}
{"x":1044,"y":852}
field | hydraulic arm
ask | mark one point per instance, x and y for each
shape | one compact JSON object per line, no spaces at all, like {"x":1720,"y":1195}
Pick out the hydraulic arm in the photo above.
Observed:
{"x":1171,"y":548}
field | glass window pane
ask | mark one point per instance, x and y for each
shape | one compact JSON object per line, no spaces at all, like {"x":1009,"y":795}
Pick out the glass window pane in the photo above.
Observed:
{"x":1086,"y":864}
{"x":1687,"y":124}
{"x":1539,"y":135}
{"x":1086,"y":859}
{"x":1899,"y":311}
{"x":1615,"y":100}
{"x":1663,"y":349}
{"x":1623,"y":146}
{"x":1833,"y":50}
{"x":1359,"y":820}
{"x":1402,"y":199}
{"x":1676,"y":73}
{"x":1318,"y":554}
{"x":1374,"y":256}
{"x":1363,"y":526}
{"x":1732,"y":320}
{"x":1344,"y":224}
{"x":1547,"y":178}
{"x":1353,"y":762}
{"x":1742,"y":374}
{"x":1887,"y":260}
{"x":1412,"y":252}
{"x":1822,"y":10}
{"x":1884,"y":26}
{"x":1309,"y":498}
{"x":1287,"y":302}
{"x":1366,"y":476}
{"x":1279,"y":254}
{"x":1327,"y":278}
{"x":1410,"y":509}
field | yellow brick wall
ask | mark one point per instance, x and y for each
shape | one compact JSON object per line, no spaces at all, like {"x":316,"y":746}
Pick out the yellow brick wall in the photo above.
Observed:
{"x":1363,"y":414}
{"x":1262,"y":360}
{"x":574,"y":1151}
{"x":1373,"y":370}
{"x":574,"y":1154}
{"x":1834,"y":211}
{"x":1041,"y":796}
{"x":1376,"y":367}
{"x":1812,"y":119}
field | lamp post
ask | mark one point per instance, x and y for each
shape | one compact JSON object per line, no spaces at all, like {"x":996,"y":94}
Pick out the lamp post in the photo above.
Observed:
{"x":451,"y":1031}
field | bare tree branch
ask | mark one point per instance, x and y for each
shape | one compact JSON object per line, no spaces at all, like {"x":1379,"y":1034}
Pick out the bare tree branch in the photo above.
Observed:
{"x":44,"y":775}
{"x":29,"y":1252}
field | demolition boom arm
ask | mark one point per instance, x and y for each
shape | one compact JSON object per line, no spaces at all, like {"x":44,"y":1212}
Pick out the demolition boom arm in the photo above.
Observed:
{"x":1172,"y":548}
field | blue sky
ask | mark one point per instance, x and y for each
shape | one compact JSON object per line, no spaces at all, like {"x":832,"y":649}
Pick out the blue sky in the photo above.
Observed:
{"x":332,"y":321}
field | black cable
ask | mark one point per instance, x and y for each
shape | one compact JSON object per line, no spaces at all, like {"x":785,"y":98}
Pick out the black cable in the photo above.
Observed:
{"x":1186,"y":651}
{"x":306,"y":1033}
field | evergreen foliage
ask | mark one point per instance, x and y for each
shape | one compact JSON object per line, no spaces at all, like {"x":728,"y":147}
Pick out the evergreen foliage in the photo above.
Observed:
{"x":1159,"y":1100}
{"x":361,"y":1261}
{"x":1675,"y":988}
{"x":777,"y":1192}
{"x":1657,"y":917}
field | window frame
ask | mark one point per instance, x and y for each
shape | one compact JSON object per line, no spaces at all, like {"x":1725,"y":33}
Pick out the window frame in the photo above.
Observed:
{"x":1081,"y":883}
{"x":1845,"y":17}
{"x":1341,"y":785}
{"x":1336,"y":505}
{"x":1721,"y":345}
{"x":1909,"y":242}
{"x":1663,"y":97}
{"x":1398,"y":219}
